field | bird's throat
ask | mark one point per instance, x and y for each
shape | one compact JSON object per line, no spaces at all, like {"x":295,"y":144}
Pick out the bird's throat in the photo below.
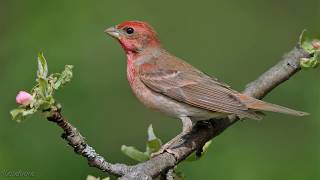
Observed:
{"x":135,"y":59}
{"x":131,"y":72}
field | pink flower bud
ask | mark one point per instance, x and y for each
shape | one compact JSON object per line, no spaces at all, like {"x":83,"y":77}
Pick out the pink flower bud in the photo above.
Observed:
{"x":24,"y":98}
{"x":316,"y":44}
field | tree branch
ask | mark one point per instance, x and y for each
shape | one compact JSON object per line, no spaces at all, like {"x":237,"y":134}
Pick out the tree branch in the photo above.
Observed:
{"x":287,"y":67}
{"x":77,"y":141}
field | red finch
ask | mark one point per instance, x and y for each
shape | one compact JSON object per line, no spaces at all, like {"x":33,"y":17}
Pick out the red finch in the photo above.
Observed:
{"x":170,"y":85}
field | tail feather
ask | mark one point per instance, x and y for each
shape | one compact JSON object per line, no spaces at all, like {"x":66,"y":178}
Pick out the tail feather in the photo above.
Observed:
{"x":256,"y":104}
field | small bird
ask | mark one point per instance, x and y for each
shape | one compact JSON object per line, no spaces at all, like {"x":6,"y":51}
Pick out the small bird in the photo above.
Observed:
{"x":166,"y":83}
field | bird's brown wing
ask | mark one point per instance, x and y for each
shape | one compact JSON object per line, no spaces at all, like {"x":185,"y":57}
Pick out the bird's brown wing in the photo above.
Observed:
{"x":196,"y":89}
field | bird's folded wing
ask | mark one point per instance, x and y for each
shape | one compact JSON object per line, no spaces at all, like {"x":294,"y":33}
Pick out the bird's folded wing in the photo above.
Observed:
{"x":194,"y":89}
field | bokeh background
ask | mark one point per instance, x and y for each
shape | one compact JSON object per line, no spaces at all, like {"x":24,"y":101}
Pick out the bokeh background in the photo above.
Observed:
{"x":234,"y":40}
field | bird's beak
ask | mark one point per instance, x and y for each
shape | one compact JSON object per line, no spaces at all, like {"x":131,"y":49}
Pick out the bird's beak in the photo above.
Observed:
{"x":112,"y":31}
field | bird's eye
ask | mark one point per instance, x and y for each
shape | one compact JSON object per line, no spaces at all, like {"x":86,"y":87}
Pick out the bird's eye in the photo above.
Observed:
{"x":129,"y":30}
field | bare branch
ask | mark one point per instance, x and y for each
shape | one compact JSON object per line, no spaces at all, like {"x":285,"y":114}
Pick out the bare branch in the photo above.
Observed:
{"x":77,"y":141}
{"x":287,"y":67}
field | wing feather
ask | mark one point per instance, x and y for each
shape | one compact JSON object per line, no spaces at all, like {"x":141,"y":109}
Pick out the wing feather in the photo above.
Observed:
{"x":193,"y":89}
{"x":176,"y":79}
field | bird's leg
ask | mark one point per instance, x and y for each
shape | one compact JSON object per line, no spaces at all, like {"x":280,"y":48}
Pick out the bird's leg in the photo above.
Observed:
{"x":186,"y":129}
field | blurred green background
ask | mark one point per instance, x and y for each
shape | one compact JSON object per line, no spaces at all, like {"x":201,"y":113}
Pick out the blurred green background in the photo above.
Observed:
{"x":234,"y":40}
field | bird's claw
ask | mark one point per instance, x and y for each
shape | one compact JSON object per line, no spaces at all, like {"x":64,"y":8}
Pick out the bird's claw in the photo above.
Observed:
{"x":164,"y":148}
{"x":171,"y":151}
{"x":174,"y":153}
{"x":152,"y":155}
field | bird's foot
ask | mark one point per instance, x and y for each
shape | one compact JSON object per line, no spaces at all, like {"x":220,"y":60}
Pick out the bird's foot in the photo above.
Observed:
{"x":178,"y":140}
{"x":166,"y":148}
{"x":173,"y":152}
{"x":161,"y":150}
{"x":171,"y":145}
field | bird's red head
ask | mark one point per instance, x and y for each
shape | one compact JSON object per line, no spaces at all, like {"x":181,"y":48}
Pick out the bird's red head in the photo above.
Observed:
{"x":134,"y":36}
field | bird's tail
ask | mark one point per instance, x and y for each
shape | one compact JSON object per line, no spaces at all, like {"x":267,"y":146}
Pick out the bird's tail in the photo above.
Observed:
{"x":256,"y":104}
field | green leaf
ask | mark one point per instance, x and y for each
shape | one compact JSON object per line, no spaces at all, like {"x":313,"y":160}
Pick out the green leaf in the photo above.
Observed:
{"x":307,"y":63}
{"x":151,"y":134}
{"x":50,"y":100}
{"x":43,"y":85}
{"x":153,"y":144}
{"x":206,"y":147}
{"x":312,"y":62}
{"x":16,"y":114}
{"x":28,"y":112}
{"x":306,"y":43}
{"x":134,"y":153}
{"x":64,"y":77}
{"x":42,"y":66}
{"x":307,"y":46}
{"x":193,"y":157}
{"x":20,"y":114}
{"x":44,"y":105}
{"x":90,"y":177}
{"x":302,"y":37}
